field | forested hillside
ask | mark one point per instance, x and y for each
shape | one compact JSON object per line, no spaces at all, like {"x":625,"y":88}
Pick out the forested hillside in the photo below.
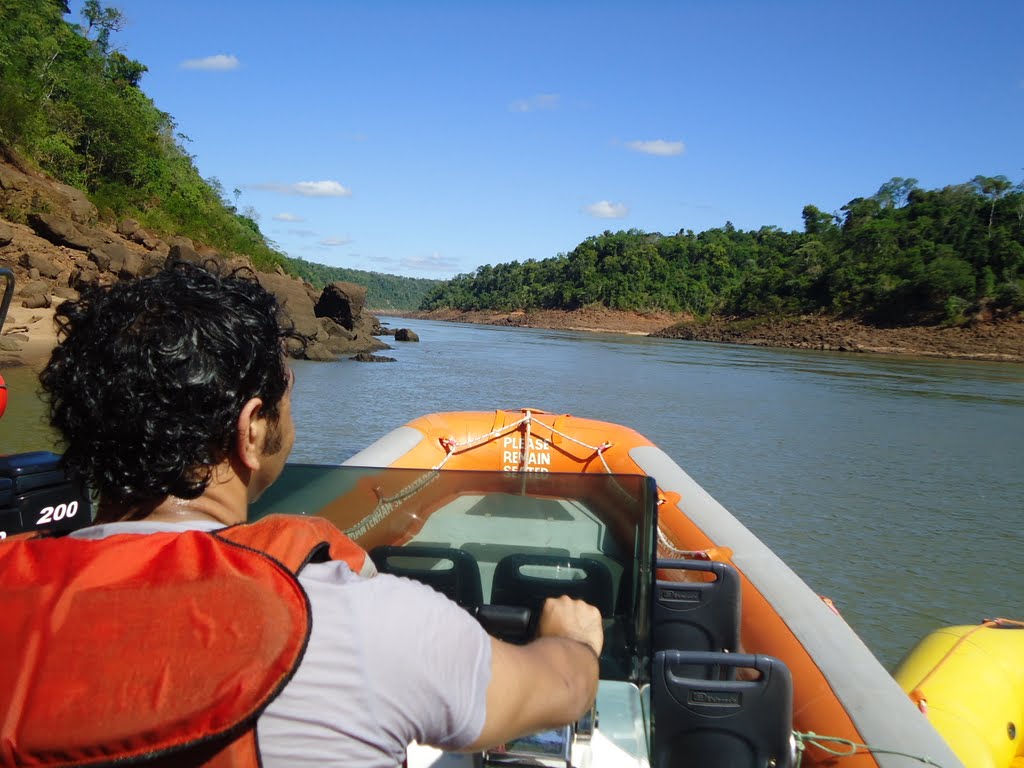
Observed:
{"x":903,"y":255}
{"x":72,"y":106}
{"x":382,"y":291}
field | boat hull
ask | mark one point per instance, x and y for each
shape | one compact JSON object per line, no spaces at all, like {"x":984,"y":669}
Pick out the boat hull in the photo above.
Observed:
{"x":840,"y":689}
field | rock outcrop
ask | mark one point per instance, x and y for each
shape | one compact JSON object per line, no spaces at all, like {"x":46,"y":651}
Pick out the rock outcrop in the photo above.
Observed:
{"x":22,"y":193}
{"x":349,"y":328}
{"x":61,"y":230}
{"x":343,"y":302}
{"x":292,"y":296}
{"x":52,"y":240}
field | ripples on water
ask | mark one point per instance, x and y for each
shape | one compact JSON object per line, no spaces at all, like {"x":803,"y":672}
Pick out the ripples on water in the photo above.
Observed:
{"x":892,"y":485}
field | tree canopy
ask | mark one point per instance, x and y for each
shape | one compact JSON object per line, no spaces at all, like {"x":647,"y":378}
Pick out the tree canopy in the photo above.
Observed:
{"x":903,"y":254}
{"x":382,"y":291}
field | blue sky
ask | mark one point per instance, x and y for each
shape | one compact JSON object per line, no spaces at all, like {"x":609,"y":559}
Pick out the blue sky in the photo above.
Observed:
{"x":427,"y":139}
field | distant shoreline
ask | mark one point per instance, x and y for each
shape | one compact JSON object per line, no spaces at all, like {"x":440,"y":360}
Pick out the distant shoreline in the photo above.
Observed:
{"x":589,"y":319}
{"x":999,"y":340}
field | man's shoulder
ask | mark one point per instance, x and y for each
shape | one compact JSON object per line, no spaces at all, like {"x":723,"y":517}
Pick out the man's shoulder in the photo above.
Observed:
{"x":105,"y":530}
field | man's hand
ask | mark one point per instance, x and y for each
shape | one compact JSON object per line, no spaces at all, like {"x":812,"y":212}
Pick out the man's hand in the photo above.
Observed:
{"x":549,"y":682}
{"x":573,"y":619}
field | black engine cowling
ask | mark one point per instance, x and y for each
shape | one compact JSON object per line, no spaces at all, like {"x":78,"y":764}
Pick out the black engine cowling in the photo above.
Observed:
{"x":36,"y":494}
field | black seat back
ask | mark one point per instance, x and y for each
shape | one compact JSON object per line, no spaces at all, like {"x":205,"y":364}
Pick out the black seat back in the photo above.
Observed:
{"x":696,"y":615}
{"x":460,"y":582}
{"x":591,"y":581}
{"x":724,"y":722}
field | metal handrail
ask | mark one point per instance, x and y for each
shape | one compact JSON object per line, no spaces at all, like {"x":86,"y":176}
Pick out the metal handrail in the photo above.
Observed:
{"x":5,"y":303}
{"x":8,"y":294}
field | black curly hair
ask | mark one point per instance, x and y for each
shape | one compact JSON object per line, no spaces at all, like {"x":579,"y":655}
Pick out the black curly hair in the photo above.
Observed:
{"x":151,"y":374}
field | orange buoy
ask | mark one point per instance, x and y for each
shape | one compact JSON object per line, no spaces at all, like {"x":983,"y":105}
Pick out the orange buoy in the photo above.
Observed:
{"x":3,"y":395}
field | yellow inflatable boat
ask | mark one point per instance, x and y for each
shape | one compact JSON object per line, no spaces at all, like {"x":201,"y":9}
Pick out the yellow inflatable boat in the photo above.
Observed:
{"x":968,"y":681}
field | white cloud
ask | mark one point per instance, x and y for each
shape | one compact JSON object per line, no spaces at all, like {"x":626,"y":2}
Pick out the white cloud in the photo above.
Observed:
{"x":287,"y":217}
{"x":303,"y":232}
{"x":658,"y":147}
{"x":540,"y":101}
{"x":435,"y":262}
{"x":321,"y":189}
{"x":306,"y":188}
{"x":219,"y":63}
{"x":334,"y":242}
{"x":606,"y":210}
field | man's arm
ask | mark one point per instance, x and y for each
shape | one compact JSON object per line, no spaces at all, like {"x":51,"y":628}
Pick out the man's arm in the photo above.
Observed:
{"x":551,"y":681}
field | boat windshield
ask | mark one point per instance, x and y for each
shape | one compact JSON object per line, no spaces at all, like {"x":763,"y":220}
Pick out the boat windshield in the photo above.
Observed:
{"x":499,"y":538}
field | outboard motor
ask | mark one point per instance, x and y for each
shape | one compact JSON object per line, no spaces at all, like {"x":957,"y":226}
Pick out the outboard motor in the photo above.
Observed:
{"x":36,"y":494}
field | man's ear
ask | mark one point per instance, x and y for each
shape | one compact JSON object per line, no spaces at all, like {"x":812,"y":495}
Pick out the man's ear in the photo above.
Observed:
{"x":252,"y":433}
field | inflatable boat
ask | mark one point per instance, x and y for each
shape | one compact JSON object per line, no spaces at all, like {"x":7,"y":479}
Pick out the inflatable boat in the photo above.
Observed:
{"x":717,"y":653}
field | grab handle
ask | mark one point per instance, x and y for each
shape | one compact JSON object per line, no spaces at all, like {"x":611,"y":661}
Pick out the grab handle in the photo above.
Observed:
{"x":8,"y":293}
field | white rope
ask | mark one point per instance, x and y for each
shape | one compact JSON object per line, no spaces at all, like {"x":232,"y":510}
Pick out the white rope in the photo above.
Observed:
{"x":668,"y":545}
{"x":453,"y":447}
{"x":603,"y":446}
{"x":386,"y":505}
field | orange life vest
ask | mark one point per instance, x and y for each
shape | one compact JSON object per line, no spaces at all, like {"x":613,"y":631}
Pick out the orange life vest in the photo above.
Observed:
{"x":155,"y":649}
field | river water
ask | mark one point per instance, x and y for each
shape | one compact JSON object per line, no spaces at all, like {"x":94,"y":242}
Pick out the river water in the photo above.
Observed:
{"x":892,"y":485}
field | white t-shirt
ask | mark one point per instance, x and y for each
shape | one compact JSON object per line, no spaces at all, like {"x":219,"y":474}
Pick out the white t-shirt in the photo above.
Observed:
{"x":389,"y":661}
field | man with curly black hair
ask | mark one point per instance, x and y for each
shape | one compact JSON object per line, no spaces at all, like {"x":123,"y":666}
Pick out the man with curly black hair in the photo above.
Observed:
{"x":173,"y":629}
{"x":171,"y":388}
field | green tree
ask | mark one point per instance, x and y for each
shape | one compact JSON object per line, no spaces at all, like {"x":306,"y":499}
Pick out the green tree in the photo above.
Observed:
{"x":102,"y":22}
{"x":895,"y":192}
{"x":817,"y":222}
{"x":993,"y":187}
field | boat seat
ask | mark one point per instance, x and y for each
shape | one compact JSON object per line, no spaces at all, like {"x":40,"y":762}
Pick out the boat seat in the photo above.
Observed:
{"x":460,"y":582}
{"x":720,"y":723}
{"x":696,"y":615}
{"x":528,"y":579}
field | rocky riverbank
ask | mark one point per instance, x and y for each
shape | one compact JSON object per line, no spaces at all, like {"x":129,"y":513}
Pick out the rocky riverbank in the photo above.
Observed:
{"x":997,"y":338}
{"x":593,"y":319}
{"x":52,"y":239}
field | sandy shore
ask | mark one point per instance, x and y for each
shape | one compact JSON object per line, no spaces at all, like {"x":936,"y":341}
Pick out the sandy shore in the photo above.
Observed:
{"x":33,"y":334}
